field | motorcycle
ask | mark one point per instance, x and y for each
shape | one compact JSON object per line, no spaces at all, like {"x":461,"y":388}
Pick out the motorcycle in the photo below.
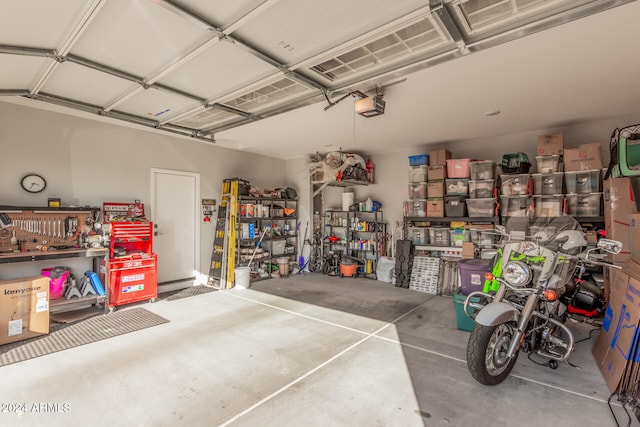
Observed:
{"x":524,"y":304}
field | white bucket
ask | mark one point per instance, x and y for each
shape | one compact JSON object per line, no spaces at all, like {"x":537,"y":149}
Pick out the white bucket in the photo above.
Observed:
{"x":347,"y":200}
{"x":243,"y":277}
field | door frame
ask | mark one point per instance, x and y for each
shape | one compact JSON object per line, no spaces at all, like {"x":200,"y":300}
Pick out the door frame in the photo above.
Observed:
{"x":196,"y":212}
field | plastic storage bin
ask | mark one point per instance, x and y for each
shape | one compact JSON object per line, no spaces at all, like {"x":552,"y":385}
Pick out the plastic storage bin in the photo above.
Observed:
{"x":417,"y":207}
{"x":454,"y":206}
{"x":419,"y":235}
{"x":583,"y":182}
{"x":481,"y":207}
{"x":421,"y":159}
{"x":483,"y":237}
{"x":481,"y":189}
{"x":548,"y":183}
{"x":515,"y":206}
{"x":584,"y":204}
{"x":418,"y":173}
{"x":472,"y":274}
{"x":458,"y":168}
{"x":548,"y":205}
{"x":458,"y":237}
{"x":482,"y":169}
{"x":439,"y":236}
{"x":516,"y":185}
{"x":457,"y":187}
{"x":517,"y":163}
{"x":417,"y":190}
{"x":548,"y":163}
{"x":463,"y":322}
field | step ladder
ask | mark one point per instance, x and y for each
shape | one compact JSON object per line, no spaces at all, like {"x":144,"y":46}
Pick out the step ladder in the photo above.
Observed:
{"x":223,"y":255}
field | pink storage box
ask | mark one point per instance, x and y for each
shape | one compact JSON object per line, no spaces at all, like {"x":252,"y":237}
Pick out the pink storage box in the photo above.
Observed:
{"x":458,"y":168}
{"x":57,"y":278}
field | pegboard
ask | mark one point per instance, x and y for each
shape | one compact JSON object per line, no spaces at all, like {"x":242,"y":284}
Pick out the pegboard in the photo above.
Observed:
{"x":42,"y":230}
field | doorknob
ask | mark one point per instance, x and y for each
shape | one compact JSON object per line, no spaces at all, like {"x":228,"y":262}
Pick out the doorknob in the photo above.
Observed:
{"x":157,"y":233}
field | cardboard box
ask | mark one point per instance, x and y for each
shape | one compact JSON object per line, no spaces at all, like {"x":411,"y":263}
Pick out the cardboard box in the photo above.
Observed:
{"x":635,"y":236}
{"x":615,"y":350}
{"x":582,"y":158}
{"x":439,"y":157}
{"x":24,"y":308}
{"x":468,"y":250}
{"x":436,"y":173}
{"x":619,"y":204}
{"x":551,"y":144}
{"x":435,"y":208}
{"x":435,"y":189}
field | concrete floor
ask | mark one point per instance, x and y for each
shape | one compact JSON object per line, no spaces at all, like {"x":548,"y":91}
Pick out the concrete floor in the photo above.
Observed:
{"x":301,"y":351}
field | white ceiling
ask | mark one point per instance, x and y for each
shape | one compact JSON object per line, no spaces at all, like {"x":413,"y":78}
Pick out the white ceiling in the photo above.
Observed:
{"x":258,"y":75}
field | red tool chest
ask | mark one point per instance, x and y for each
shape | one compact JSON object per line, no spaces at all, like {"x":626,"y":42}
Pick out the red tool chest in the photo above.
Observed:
{"x":132,"y":267}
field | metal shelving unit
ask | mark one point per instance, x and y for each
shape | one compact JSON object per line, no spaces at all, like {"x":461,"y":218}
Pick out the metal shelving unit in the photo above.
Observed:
{"x":281,"y":236}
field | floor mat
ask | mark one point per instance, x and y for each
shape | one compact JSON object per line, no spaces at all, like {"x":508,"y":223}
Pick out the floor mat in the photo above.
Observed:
{"x":84,"y":332}
{"x":189,"y":292}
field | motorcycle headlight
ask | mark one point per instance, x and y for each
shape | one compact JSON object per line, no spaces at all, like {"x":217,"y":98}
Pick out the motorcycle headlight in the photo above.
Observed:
{"x":516,"y":273}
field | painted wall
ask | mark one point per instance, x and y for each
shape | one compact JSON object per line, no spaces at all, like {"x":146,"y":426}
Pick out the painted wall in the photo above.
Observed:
{"x":88,"y":162}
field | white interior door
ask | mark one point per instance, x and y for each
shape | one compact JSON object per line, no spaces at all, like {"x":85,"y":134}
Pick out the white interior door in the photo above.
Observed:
{"x":174,"y":201}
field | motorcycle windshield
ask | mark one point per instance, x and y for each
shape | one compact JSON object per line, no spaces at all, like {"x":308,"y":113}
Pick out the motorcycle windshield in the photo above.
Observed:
{"x":559,"y":234}
{"x":545,"y":244}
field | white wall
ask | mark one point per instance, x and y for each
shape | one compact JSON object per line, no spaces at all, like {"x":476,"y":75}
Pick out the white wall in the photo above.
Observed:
{"x":88,"y":162}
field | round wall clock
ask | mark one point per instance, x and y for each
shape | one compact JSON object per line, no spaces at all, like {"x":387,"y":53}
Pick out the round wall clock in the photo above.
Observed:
{"x":33,"y":183}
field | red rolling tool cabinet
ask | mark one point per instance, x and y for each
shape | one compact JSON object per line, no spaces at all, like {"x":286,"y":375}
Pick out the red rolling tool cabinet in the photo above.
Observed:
{"x":132,"y":265}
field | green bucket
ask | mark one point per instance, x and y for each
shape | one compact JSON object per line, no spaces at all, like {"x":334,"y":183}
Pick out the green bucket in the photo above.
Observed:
{"x":464,"y":323}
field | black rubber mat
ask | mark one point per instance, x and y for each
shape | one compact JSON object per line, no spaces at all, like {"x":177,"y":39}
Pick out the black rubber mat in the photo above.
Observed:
{"x":189,"y":292}
{"x":84,"y":332}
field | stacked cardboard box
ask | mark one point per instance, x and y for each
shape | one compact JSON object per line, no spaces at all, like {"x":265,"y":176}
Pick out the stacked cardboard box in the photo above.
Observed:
{"x":616,"y":350}
{"x":436,"y":175}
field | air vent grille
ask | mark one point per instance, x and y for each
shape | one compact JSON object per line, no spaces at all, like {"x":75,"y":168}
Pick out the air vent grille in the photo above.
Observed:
{"x":401,"y":43}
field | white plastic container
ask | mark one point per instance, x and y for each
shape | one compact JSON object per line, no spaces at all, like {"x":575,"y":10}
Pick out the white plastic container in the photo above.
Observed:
{"x":548,"y":183}
{"x":515,"y":206}
{"x":482,"y":169}
{"x":419,"y":235}
{"x":548,"y":205}
{"x":583,"y":182}
{"x":548,"y":163}
{"x":457,"y":187}
{"x":477,"y":208}
{"x":418,"y":173}
{"x":516,"y":185}
{"x":347,"y":200}
{"x":417,"y":190}
{"x":243,"y":277}
{"x":481,"y":189}
{"x":439,"y":236}
{"x":581,"y":205}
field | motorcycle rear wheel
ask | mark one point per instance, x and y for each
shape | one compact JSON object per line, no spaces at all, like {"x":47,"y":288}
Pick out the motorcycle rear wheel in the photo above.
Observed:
{"x":486,"y":353}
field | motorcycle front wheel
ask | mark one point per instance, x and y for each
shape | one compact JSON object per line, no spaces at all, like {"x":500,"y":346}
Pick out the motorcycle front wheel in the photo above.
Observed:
{"x":487,"y":353}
